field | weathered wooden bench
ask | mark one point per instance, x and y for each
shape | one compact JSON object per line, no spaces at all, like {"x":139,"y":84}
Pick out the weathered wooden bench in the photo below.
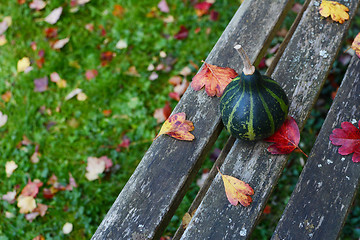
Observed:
{"x":326,"y":188}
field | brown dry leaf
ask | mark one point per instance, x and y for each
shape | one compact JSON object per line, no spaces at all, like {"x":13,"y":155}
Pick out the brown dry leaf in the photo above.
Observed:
{"x":177,"y":127}
{"x":356,"y":45}
{"x":237,"y":190}
{"x":187,"y":218}
{"x":337,"y":11}
{"x":214,"y":78}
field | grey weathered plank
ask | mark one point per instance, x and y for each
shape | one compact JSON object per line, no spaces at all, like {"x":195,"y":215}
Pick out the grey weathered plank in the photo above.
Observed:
{"x":328,"y":183}
{"x":301,"y":70}
{"x":152,"y":194}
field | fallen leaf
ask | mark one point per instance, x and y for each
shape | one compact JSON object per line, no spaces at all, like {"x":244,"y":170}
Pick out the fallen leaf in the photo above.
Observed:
{"x":41,"y":84}
{"x":200,"y":181}
{"x":106,"y":57}
{"x":356,"y":45}
{"x":153,"y":76}
{"x":118,"y":11}
{"x":177,"y":127}
{"x":337,"y":11}
{"x":3,"y":119}
{"x":41,"y":209}
{"x":9,"y":215}
{"x":81,"y":97}
{"x":161,"y":114}
{"x":72,"y":183}
{"x":39,"y":237}
{"x":132,"y":72}
{"x":31,"y":216}
{"x":175,"y":80}
{"x":175,"y":96}
{"x":163,"y":6}
{"x":3,"y":27}
{"x":51,"y":32}
{"x":107,"y":112}
{"x":90,"y":74}
{"x":121,"y":44}
{"x":95,"y":166}
{"x":181,"y":88}
{"x":23,"y":64}
{"x":60,"y":43}
{"x":9,"y":197}
{"x":108,"y":162}
{"x":6,"y":96}
{"x":202,"y":8}
{"x":182,"y":34}
{"x":214,"y":78}
{"x":267,"y":209}
{"x":185,"y":71}
{"x":54,"y":16}
{"x":31,"y":188}
{"x":214,"y":15}
{"x":10,"y":167}
{"x":73,"y":93}
{"x":237,"y":190}
{"x":37,"y":4}
{"x":67,"y":228}
{"x":286,"y":139}
{"x":3,"y":40}
{"x":26,"y":204}
{"x":348,"y":137}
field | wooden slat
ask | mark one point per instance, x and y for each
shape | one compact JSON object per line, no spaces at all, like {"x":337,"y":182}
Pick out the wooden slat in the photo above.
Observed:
{"x":301,"y":70}
{"x":152,"y":194}
{"x":328,"y":183}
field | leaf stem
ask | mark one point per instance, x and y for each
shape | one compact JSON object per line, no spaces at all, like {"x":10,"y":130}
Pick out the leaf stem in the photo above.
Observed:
{"x":302,"y":151}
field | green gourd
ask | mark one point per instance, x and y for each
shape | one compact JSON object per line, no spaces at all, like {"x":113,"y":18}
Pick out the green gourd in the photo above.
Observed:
{"x":253,"y":106}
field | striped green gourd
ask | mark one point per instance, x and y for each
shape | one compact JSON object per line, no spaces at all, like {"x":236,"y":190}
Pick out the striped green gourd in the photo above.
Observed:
{"x":253,"y":106}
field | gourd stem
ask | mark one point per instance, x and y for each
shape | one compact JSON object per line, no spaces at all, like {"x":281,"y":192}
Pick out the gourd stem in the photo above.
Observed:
{"x":248,"y":69}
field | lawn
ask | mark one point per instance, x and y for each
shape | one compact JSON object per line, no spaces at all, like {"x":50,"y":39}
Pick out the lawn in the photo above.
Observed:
{"x":85,"y":95}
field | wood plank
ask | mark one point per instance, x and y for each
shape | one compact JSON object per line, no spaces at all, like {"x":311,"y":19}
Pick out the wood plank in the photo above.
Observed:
{"x":328,"y":183}
{"x":146,"y":204}
{"x":301,"y":70}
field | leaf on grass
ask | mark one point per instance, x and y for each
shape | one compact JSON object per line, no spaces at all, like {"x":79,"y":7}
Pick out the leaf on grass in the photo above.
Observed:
{"x":95,"y":166}
{"x":348,"y":137}
{"x":10,"y":167}
{"x":6,"y":96}
{"x":3,"y":40}
{"x":237,"y":190}
{"x":39,"y":237}
{"x":121,"y":44}
{"x":3,"y":119}
{"x":31,"y":188}
{"x":182,"y":34}
{"x":202,"y":8}
{"x":60,"y":43}
{"x":337,"y":11}
{"x":41,"y":84}
{"x":9,"y":197}
{"x":90,"y":74}
{"x":286,"y":139}
{"x":23,"y":64}
{"x":54,"y":16}
{"x":26,"y":204}
{"x":356,"y":45}
{"x":118,"y":11}
{"x":214,"y":78}
{"x":177,"y":127}
{"x":163,"y":6}
{"x":73,"y":93}
{"x":67,"y":228}
{"x":37,"y":4}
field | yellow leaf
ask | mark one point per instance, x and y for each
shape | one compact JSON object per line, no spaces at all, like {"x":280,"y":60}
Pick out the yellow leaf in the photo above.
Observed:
{"x":337,"y":11}
{"x":186,"y":220}
{"x":177,"y":127}
{"x":61,"y":83}
{"x":23,"y":64}
{"x":237,"y":190}
{"x":26,"y":204}
{"x":10,"y":168}
{"x":356,"y":45}
{"x":81,"y":97}
{"x":3,"y":40}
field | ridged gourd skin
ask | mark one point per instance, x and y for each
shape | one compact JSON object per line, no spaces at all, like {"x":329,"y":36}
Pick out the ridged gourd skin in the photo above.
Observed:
{"x":253,"y":106}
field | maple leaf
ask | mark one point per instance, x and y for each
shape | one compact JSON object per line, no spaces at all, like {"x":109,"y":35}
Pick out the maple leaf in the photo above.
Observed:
{"x":286,"y":139}
{"x":202,"y":8}
{"x":182,"y":34}
{"x":95,"y":166}
{"x":9,"y":197}
{"x":72,"y":183}
{"x":214,"y":78}
{"x":161,"y":114}
{"x":348,"y":138}
{"x":54,"y":16}
{"x":26,"y":204}
{"x":356,"y":45}
{"x":237,"y":190}
{"x":337,"y":11}
{"x":23,"y":64}
{"x":177,"y":127}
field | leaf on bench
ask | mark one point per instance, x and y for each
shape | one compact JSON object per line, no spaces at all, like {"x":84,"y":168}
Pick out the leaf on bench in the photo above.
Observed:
{"x":177,"y":127}
{"x":348,"y":138}
{"x":337,"y":11}
{"x":237,"y":190}
{"x":356,"y":45}
{"x":214,"y":78}
{"x":286,"y":139}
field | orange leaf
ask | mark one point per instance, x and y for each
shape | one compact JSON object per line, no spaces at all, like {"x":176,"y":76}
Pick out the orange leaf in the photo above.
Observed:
{"x":356,"y":45}
{"x":177,"y":127}
{"x":337,"y":11}
{"x":214,"y":78}
{"x":237,"y":190}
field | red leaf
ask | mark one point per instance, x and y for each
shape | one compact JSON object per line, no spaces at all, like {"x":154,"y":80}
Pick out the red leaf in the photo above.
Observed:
{"x":106,"y":57}
{"x":182,"y":34}
{"x":286,"y":139}
{"x":51,"y":32}
{"x":90,"y":74}
{"x":202,"y":8}
{"x":348,"y":138}
{"x":214,"y":78}
{"x":214,"y":15}
{"x":31,"y":188}
{"x":174,"y":96}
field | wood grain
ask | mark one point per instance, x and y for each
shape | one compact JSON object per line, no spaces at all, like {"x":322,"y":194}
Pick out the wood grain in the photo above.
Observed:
{"x":301,"y":70}
{"x":328,"y":183}
{"x":152,"y":194}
